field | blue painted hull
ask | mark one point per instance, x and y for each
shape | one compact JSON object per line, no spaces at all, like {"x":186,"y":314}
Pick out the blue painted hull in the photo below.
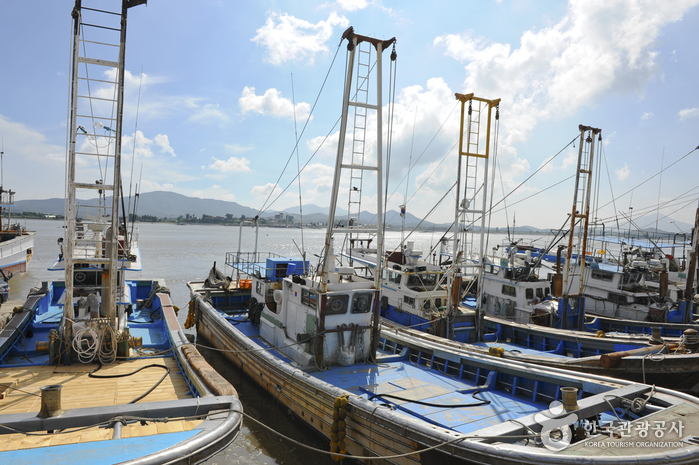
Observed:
{"x":415,"y":396}
{"x":161,"y":334}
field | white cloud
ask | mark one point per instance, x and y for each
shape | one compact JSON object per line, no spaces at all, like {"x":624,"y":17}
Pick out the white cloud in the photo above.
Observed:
{"x":623,"y":172}
{"x":162,"y":141}
{"x":597,"y":48}
{"x":208,"y":112}
{"x":688,"y":113}
{"x":352,"y":5}
{"x":606,"y":140}
{"x":263,"y":191}
{"x":145,"y":146}
{"x":272,"y":103}
{"x":288,"y":38}
{"x":647,"y":115}
{"x":232,"y":165}
{"x":214,"y":192}
{"x":236,"y":148}
{"x":150,"y":186}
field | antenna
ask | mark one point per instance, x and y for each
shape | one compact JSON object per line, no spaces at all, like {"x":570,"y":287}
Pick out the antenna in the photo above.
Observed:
{"x":298,"y":167}
{"x":135,"y":134}
{"x":2,"y":152}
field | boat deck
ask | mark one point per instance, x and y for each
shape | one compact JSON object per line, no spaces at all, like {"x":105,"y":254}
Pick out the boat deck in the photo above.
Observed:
{"x":413,"y":385}
{"x":79,"y":392}
{"x":458,"y":409}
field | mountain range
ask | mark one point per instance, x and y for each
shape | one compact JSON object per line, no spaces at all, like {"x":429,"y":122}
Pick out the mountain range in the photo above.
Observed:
{"x":162,"y":204}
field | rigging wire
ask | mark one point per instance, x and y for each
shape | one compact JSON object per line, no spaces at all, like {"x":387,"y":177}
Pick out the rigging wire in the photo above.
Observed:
{"x":534,"y":194}
{"x":310,"y":159}
{"x":391,"y":105}
{"x":535,"y":172}
{"x":424,"y":151}
{"x":407,"y":182}
{"x":308,"y":119}
{"x":492,"y":182}
{"x":651,"y":177}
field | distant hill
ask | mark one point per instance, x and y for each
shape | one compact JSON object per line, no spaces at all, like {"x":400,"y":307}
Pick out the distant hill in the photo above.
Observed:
{"x":172,"y":205}
{"x":159,"y":203}
{"x":163,"y":204}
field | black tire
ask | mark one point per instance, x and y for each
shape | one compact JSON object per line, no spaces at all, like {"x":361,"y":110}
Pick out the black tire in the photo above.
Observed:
{"x":251,"y":306}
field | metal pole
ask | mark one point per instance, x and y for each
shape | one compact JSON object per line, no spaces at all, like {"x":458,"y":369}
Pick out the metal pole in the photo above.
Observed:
{"x":338,"y":164}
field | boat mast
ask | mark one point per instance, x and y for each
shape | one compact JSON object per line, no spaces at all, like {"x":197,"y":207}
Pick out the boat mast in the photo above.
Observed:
{"x":581,"y":210}
{"x":689,"y":289}
{"x":475,"y":147}
{"x":104,"y":49}
{"x":359,"y":100}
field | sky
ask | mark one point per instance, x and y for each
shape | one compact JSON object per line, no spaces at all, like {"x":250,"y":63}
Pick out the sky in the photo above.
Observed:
{"x":225,"y":87}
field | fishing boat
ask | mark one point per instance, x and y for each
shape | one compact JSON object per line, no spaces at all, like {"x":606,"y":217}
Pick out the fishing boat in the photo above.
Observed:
{"x":95,"y":367}
{"x":523,"y":310}
{"x":16,"y":243}
{"x":312,"y":339}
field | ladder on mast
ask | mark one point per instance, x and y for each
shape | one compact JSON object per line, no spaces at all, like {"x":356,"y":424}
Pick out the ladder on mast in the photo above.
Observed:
{"x":581,"y":211}
{"x":471,"y":198}
{"x":360,"y":105}
{"x":96,"y":111}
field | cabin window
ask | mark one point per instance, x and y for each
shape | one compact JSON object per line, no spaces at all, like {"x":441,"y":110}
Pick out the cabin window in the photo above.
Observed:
{"x":540,"y":293}
{"x":632,"y":278}
{"x":409,"y":301}
{"x":547,"y":291}
{"x":361,"y":303}
{"x":617,"y":298}
{"x":602,"y":275}
{"x":336,"y":304}
{"x":529,"y":293}
{"x":394,"y":277}
{"x":428,"y":281}
{"x":641,"y":300}
{"x":509,"y":290}
{"x":309,"y":298}
{"x":258,"y":288}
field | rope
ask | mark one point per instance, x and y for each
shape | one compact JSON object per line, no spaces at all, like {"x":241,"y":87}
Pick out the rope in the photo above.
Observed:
{"x":375,"y":457}
{"x":167,"y":372}
{"x":430,"y":404}
{"x":87,"y":354}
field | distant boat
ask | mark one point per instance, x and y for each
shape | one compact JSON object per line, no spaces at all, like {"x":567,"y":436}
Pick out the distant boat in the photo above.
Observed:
{"x":95,"y":368}
{"x":16,"y":243}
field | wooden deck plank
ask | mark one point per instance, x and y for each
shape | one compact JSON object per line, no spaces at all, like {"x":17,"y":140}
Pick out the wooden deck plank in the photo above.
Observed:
{"x":81,"y":391}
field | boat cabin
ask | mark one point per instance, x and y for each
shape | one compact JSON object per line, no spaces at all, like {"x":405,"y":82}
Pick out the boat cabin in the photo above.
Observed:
{"x":312,"y":327}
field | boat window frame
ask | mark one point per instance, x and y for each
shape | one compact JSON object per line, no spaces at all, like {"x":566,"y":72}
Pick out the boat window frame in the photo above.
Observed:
{"x":331,"y":299}
{"x":309,"y":298}
{"x":616,"y":297}
{"x":601,"y":275}
{"x":355,"y":297}
{"x":509,"y":290}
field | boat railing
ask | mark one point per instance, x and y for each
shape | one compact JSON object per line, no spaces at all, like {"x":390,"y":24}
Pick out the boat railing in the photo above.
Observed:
{"x":250,"y":263}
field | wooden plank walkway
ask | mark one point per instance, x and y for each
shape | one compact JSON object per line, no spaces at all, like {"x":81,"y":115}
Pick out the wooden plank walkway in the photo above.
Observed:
{"x":81,"y":391}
